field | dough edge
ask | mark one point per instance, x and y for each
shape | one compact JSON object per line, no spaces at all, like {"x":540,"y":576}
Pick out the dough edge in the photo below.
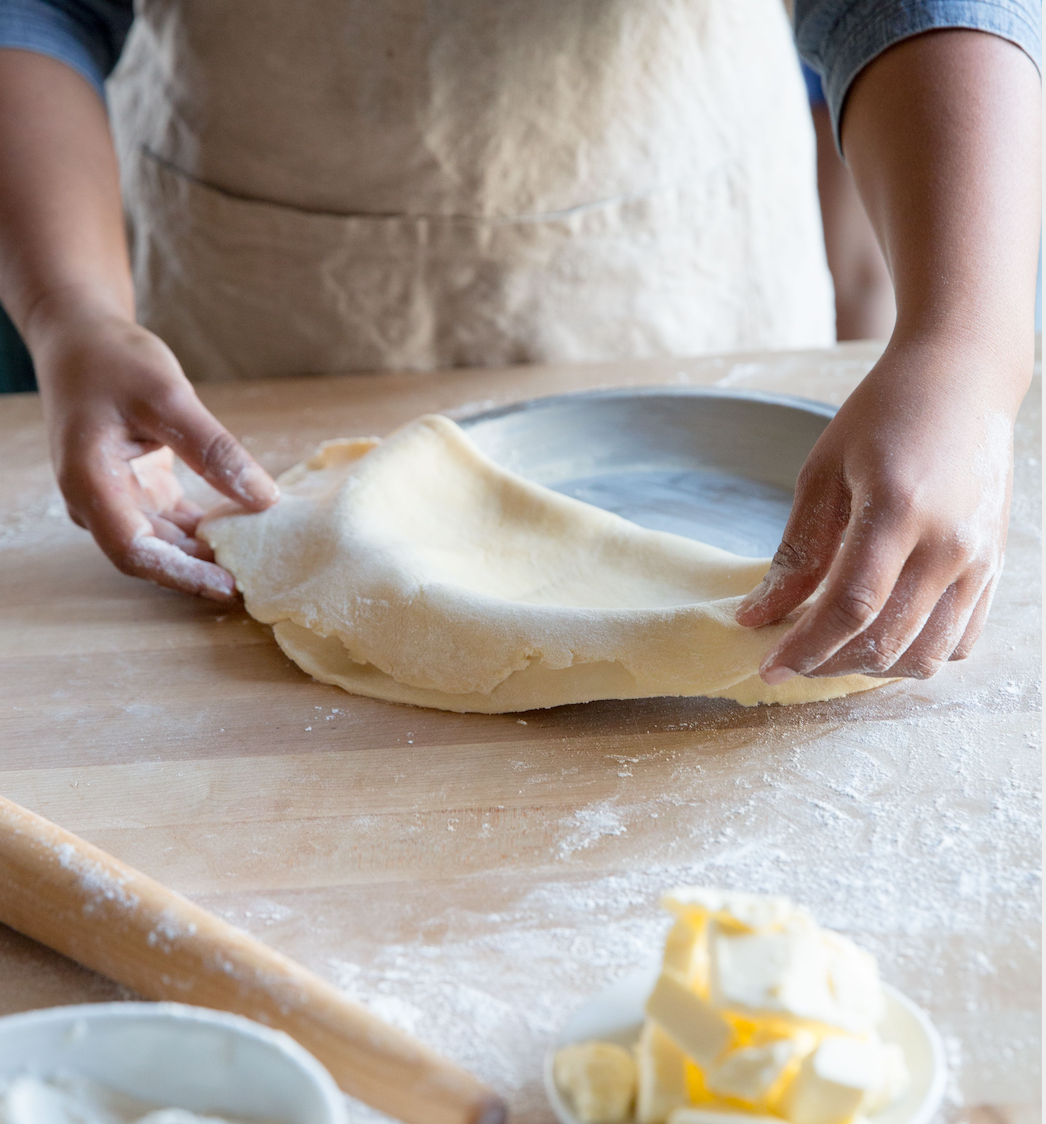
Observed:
{"x":535,"y":687}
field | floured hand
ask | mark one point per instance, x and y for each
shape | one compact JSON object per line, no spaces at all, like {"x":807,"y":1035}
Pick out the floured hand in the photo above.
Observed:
{"x":915,"y":472}
{"x":118,"y":407}
{"x":941,"y":132}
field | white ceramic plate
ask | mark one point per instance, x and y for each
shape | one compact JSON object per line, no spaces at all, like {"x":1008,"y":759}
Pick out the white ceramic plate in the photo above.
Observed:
{"x":616,"y":1015}
{"x":176,"y":1057}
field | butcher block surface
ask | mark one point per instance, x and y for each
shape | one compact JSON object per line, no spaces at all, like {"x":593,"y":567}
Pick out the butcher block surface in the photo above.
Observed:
{"x":472,"y":878}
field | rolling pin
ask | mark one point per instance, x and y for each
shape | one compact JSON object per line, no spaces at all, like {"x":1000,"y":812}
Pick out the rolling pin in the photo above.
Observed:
{"x":61,"y":891}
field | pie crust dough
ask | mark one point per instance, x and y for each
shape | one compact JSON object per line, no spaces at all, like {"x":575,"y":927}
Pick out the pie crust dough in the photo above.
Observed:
{"x":417,"y":570}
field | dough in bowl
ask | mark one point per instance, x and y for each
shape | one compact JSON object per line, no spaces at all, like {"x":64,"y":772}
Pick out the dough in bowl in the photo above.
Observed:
{"x":417,"y":570}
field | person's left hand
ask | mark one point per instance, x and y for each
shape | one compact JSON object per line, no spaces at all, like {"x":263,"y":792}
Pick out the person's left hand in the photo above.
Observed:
{"x":915,"y":471}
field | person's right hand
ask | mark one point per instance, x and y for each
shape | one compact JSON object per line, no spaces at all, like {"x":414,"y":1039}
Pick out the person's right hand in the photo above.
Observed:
{"x":118,"y":406}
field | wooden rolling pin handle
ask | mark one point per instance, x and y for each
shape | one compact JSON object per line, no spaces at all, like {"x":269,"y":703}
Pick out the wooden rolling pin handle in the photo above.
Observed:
{"x":61,"y":891}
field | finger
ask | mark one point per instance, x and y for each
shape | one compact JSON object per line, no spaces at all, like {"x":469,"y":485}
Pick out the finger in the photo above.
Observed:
{"x":976,"y":622}
{"x":916,"y":631}
{"x":811,"y":538}
{"x":933,"y":647}
{"x":128,"y":537}
{"x":859,"y":585}
{"x":161,"y":562}
{"x":170,"y":532}
{"x":189,"y":510}
{"x":185,"y":515}
{"x":900,"y":622}
{"x":210,"y":449}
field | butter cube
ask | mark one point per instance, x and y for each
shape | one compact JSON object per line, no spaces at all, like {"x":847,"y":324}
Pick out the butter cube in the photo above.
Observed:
{"x":771,"y":973}
{"x":679,"y":947}
{"x":734,"y":909}
{"x":853,"y":978}
{"x":661,"y":1083}
{"x":686,"y":952}
{"x":895,"y":1078}
{"x":697,"y":1028}
{"x":834,"y":1081}
{"x":751,"y":1073}
{"x":813,"y":976}
{"x":718,"y":1116}
{"x":598,"y":1080}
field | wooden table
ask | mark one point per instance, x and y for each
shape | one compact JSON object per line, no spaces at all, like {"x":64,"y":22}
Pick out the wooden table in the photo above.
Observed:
{"x":471,"y":877}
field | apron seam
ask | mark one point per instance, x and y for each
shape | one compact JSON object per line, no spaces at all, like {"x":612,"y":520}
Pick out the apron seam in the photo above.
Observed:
{"x":493,"y":220}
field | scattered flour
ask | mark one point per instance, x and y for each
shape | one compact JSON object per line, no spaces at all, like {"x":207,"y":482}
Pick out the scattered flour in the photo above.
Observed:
{"x":99,"y":884}
{"x":930,"y":840}
{"x":593,"y":823}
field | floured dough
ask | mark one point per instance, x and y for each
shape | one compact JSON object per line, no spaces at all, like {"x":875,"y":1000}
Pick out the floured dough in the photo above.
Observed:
{"x":417,"y":570}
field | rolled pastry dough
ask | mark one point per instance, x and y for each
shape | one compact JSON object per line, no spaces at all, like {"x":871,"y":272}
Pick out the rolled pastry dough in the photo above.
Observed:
{"x":417,"y":570}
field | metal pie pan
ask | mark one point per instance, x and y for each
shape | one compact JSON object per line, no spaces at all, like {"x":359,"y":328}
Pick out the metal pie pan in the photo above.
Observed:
{"x":718,"y":466}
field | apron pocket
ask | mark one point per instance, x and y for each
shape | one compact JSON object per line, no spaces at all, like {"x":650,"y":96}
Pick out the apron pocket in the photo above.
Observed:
{"x":246,"y":289}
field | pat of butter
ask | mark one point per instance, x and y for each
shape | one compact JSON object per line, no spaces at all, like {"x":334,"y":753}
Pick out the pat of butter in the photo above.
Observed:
{"x":598,"y":1079}
{"x":853,"y":976}
{"x":661,"y":1083}
{"x":697,"y":1028}
{"x":834,"y":1081}
{"x":757,"y":913}
{"x":686,"y":952}
{"x":895,"y":1078}
{"x":718,"y":1116}
{"x":806,"y":975}
{"x":752,"y":1073}
{"x":764,"y":973}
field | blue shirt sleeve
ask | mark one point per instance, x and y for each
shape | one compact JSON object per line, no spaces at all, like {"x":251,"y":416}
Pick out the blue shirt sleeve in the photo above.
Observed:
{"x":839,"y":38}
{"x":87,"y":35}
{"x":814,"y":90}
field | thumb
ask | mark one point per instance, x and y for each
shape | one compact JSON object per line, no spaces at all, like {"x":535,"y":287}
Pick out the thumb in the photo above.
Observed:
{"x":209,"y":449}
{"x":811,"y":538}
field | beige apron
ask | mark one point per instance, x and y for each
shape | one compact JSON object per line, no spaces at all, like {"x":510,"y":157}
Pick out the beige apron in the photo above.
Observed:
{"x":346,"y":185}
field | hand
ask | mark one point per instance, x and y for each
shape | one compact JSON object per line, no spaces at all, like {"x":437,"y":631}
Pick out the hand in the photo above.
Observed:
{"x":118,"y":407}
{"x":915,"y":471}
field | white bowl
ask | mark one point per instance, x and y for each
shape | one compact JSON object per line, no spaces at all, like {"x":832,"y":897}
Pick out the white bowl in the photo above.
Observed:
{"x":616,"y":1015}
{"x":176,"y":1056}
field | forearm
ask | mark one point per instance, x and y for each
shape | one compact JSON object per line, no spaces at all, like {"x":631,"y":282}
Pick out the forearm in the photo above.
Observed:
{"x":901,"y":508}
{"x":942,"y":133}
{"x":63,"y":248}
{"x":116,"y":401}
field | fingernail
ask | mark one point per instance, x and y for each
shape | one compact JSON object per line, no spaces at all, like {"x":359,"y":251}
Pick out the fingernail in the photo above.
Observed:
{"x":254,"y":484}
{"x":754,"y":597}
{"x":218,"y":593}
{"x":218,"y":584}
{"x":746,"y":606}
{"x":773,"y":676}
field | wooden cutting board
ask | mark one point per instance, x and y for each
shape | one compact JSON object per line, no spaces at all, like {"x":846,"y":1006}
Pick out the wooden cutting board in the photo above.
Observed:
{"x":471,"y":877}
